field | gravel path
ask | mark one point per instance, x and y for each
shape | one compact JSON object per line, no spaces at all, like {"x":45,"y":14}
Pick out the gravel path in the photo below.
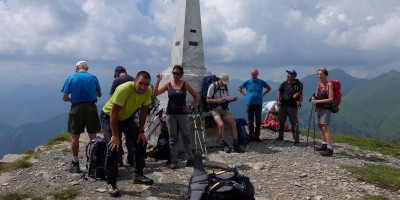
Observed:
{"x":277,"y":171}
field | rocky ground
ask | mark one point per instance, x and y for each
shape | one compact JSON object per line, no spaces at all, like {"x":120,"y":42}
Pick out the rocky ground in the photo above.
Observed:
{"x":277,"y":171}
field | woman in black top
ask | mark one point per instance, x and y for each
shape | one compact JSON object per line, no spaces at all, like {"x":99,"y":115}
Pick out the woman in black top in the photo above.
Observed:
{"x":177,"y":113}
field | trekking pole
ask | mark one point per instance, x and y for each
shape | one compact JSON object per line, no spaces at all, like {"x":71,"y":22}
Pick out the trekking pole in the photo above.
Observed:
{"x":314,"y":135}
{"x":309,"y":125}
{"x":158,"y":116}
{"x":201,"y":127}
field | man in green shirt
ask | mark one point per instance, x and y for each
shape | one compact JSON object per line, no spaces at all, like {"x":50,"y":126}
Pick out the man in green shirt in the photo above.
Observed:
{"x":117,"y":117}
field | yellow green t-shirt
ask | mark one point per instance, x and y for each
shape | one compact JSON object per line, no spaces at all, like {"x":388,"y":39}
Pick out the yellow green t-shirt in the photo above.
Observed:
{"x":126,"y":97}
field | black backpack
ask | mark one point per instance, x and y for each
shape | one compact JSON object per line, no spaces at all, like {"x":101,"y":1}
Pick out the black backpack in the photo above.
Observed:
{"x":243,"y":135}
{"x":221,"y":185}
{"x":207,"y":81}
{"x":96,"y":152}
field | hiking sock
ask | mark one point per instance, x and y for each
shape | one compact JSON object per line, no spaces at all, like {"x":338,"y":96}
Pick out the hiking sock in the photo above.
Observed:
{"x":324,"y":143}
{"x":75,"y":159}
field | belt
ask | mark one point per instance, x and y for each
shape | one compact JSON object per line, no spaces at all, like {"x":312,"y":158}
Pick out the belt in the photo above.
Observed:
{"x":104,"y":115}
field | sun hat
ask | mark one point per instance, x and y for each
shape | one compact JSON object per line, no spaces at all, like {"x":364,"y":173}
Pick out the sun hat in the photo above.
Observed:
{"x":225,"y":78}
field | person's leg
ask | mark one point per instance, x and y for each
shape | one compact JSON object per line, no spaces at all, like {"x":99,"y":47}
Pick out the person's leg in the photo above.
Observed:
{"x":282,"y":119}
{"x":257,"y":113}
{"x":221,"y":126}
{"x":184,"y":130}
{"x":292,"y":113}
{"x":250,"y":119}
{"x":325,"y":119}
{"x":76,"y":126}
{"x":172,"y":125}
{"x":318,"y":116}
{"x":130,"y":146}
{"x":111,"y":164}
{"x":228,"y":117}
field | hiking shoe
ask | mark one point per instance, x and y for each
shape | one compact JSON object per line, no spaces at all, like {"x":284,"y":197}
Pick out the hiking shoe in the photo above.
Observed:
{"x":279,"y":138}
{"x":141,"y":179}
{"x":173,"y":165}
{"x":296,"y":142}
{"x":258,"y":139}
{"x":327,"y":152}
{"x":75,"y":167}
{"x":227,"y":148}
{"x":238,"y":149}
{"x":120,"y":164}
{"x":112,"y":190}
{"x":189,"y":163}
{"x":323,"y":147}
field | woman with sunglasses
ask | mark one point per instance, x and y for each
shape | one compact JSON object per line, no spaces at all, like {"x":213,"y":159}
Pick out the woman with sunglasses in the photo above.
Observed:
{"x":323,"y":99}
{"x":177,"y":113}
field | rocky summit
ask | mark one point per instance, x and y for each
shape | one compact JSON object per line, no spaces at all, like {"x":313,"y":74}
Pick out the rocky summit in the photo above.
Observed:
{"x":278,"y":170}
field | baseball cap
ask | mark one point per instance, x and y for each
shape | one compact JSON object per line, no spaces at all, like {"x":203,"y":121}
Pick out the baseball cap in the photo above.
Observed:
{"x":81,"y":63}
{"x":118,"y":69}
{"x":225,"y":78}
{"x":292,"y":72}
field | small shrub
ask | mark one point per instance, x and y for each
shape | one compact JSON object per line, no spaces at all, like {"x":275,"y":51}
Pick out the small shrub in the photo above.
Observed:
{"x":63,"y":137}
{"x":19,"y":196}
{"x":370,"y":197}
{"x":23,"y":163}
{"x":68,"y":193}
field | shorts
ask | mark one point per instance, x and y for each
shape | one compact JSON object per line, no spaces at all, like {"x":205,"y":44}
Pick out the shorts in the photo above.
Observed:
{"x":81,"y":116}
{"x":220,"y":111}
{"x":323,"y":116}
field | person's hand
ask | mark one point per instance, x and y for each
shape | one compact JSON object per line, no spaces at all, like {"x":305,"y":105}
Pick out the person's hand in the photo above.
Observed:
{"x":313,"y":100}
{"x":298,"y":103}
{"x":142,"y":138}
{"x":222,"y":100}
{"x":187,"y":109}
{"x":114,"y":143}
{"x":159,"y":76}
{"x":278,"y":103}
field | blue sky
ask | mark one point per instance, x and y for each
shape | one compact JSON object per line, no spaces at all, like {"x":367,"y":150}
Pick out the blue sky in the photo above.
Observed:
{"x":41,"y":40}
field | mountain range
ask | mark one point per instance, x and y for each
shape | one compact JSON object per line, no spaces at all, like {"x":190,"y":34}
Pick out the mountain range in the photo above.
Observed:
{"x":369,"y":107}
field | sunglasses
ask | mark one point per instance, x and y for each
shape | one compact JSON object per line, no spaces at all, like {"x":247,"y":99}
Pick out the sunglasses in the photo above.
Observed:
{"x":176,"y":73}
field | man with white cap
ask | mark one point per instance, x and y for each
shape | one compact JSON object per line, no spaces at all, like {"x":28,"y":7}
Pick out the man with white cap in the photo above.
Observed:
{"x":218,"y":99}
{"x":289,"y":99}
{"x":82,"y":90}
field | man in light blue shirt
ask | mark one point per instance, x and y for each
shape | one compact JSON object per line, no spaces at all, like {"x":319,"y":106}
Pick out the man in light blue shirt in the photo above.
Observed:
{"x":254,"y":94}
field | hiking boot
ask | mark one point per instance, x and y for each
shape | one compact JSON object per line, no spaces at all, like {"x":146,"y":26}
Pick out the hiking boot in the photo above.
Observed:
{"x":323,"y":147}
{"x":75,"y":167}
{"x":279,"y":138}
{"x":227,"y":148}
{"x":327,"y":152}
{"x":258,"y":139}
{"x":296,"y":142}
{"x":189,"y":163}
{"x":120,"y":164}
{"x":141,"y":179}
{"x":238,"y":149}
{"x":112,"y":190}
{"x":173,"y":165}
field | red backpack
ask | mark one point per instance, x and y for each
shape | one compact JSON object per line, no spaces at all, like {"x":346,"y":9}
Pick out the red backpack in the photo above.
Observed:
{"x":337,"y":95}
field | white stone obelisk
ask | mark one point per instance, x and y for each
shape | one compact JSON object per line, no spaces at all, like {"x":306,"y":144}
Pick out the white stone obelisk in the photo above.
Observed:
{"x":187,"y":49}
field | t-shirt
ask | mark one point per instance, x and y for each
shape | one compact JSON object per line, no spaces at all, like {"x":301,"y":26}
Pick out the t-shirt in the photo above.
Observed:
{"x":126,"y":97}
{"x":271,"y":106}
{"x":216,"y":91}
{"x":82,"y":86}
{"x":254,"y":91}
{"x":119,"y":80}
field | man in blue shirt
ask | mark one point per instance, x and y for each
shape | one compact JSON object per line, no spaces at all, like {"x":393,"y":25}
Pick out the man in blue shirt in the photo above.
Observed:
{"x":82,"y":90}
{"x":254,"y":94}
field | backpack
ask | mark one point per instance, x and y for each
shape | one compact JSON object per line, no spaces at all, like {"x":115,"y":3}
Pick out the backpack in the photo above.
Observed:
{"x":293,"y":95}
{"x":243,"y":136}
{"x":207,"y":81}
{"x":161,"y":151}
{"x":221,"y":185}
{"x":337,"y":95}
{"x":96,"y":152}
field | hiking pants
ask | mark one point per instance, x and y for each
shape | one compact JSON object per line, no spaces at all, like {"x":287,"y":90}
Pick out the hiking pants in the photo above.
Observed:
{"x":179,"y":123}
{"x":130,"y":129}
{"x":254,"y":110}
{"x":284,"y":112}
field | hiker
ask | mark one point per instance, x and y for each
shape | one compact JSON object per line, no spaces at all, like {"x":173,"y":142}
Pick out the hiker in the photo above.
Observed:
{"x":117,"y":117}
{"x":254,"y":94}
{"x":83,"y":88}
{"x":289,"y":100}
{"x":218,"y":99}
{"x":121,"y":76}
{"x":272,"y":110}
{"x":323,"y":99}
{"x":177,"y":113}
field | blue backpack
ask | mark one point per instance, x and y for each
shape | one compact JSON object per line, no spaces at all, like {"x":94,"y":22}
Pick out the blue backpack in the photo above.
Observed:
{"x":243,"y":136}
{"x":96,"y":152}
{"x":207,"y":81}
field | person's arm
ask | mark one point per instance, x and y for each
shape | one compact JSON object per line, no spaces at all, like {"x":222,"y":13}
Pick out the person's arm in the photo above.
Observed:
{"x":267,"y":89}
{"x":157,"y":91}
{"x":241,"y":90}
{"x":114,"y":118}
{"x":195,"y":96}
{"x":278,"y":98}
{"x":142,"y":120}
{"x":98,"y":93}
{"x":66,"y":97}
